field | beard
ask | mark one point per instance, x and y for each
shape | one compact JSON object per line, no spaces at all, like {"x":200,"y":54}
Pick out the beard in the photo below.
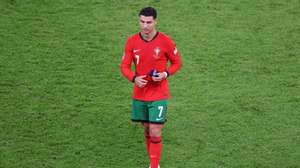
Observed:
{"x":146,"y":31}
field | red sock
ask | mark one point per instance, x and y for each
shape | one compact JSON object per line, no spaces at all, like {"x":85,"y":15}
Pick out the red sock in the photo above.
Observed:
{"x":147,"y":142}
{"x":155,"y":150}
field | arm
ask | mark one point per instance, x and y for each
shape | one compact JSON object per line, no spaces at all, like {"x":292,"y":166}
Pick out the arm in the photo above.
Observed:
{"x":125,"y":67}
{"x":174,"y":57}
{"x":126,"y":62}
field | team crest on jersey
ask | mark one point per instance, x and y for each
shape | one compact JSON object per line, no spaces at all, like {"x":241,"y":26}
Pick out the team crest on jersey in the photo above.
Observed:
{"x":157,"y":51}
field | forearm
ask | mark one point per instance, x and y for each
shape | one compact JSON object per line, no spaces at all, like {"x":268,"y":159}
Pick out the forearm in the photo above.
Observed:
{"x":174,"y":67}
{"x":127,"y":72}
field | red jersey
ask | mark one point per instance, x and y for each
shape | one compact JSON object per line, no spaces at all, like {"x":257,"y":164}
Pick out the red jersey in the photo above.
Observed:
{"x":147,"y":56}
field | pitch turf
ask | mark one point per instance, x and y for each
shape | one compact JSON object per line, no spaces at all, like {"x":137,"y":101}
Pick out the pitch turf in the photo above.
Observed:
{"x":64,"y":103}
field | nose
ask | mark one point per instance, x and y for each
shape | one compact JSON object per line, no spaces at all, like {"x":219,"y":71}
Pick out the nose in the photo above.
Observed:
{"x":144,"y":25}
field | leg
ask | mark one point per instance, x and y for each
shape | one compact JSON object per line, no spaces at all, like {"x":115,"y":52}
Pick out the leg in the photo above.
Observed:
{"x":155,"y":130}
{"x":155,"y":147}
{"x":157,"y":117}
{"x":147,"y":137}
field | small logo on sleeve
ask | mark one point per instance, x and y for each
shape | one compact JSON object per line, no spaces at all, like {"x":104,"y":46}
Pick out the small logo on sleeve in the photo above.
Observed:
{"x":175,"y":51}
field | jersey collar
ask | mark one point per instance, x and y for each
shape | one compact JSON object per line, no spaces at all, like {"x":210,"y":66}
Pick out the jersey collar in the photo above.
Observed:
{"x":151,"y":39}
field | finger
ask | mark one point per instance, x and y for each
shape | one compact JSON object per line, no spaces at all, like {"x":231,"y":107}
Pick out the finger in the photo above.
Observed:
{"x":161,"y":75}
{"x":142,"y":85}
{"x":139,"y":84}
{"x":143,"y":81}
{"x":156,"y":79}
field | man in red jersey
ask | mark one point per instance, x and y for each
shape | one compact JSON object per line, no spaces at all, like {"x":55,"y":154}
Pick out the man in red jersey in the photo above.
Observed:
{"x":150,"y":51}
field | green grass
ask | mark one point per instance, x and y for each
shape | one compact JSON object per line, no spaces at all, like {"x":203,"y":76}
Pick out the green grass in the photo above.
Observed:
{"x":64,"y":103}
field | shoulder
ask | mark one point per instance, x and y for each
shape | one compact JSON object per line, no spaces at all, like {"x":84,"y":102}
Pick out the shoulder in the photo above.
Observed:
{"x":166,"y":38}
{"x":133,"y":37}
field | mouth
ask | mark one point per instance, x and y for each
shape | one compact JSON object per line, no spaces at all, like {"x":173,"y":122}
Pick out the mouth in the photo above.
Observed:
{"x":146,"y":31}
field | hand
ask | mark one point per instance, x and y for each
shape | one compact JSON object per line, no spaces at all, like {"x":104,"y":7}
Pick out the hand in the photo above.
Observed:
{"x":160,"y":76}
{"x":140,"y":81}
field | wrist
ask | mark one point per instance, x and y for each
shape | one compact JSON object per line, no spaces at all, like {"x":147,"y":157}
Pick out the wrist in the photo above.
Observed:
{"x":133,"y":79}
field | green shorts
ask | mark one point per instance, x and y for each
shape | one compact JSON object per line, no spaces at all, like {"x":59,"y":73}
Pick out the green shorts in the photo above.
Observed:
{"x":153,"y":111}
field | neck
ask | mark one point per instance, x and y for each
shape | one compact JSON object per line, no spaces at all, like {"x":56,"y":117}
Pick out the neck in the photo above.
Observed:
{"x":150,"y":36}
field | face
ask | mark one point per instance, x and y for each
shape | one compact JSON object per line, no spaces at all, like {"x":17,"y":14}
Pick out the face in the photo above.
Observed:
{"x":147,"y":24}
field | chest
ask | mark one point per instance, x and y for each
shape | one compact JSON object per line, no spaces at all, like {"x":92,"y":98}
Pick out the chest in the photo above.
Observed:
{"x":149,"y":52}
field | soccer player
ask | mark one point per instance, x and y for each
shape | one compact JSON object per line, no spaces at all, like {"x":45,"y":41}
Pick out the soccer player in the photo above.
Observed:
{"x":150,"y":51}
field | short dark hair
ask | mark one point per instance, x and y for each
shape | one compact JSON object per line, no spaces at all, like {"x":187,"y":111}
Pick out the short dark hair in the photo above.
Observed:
{"x":148,"y":11}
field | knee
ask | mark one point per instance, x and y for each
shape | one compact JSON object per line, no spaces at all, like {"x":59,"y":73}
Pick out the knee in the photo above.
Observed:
{"x":154,"y":139}
{"x":155,"y":132}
